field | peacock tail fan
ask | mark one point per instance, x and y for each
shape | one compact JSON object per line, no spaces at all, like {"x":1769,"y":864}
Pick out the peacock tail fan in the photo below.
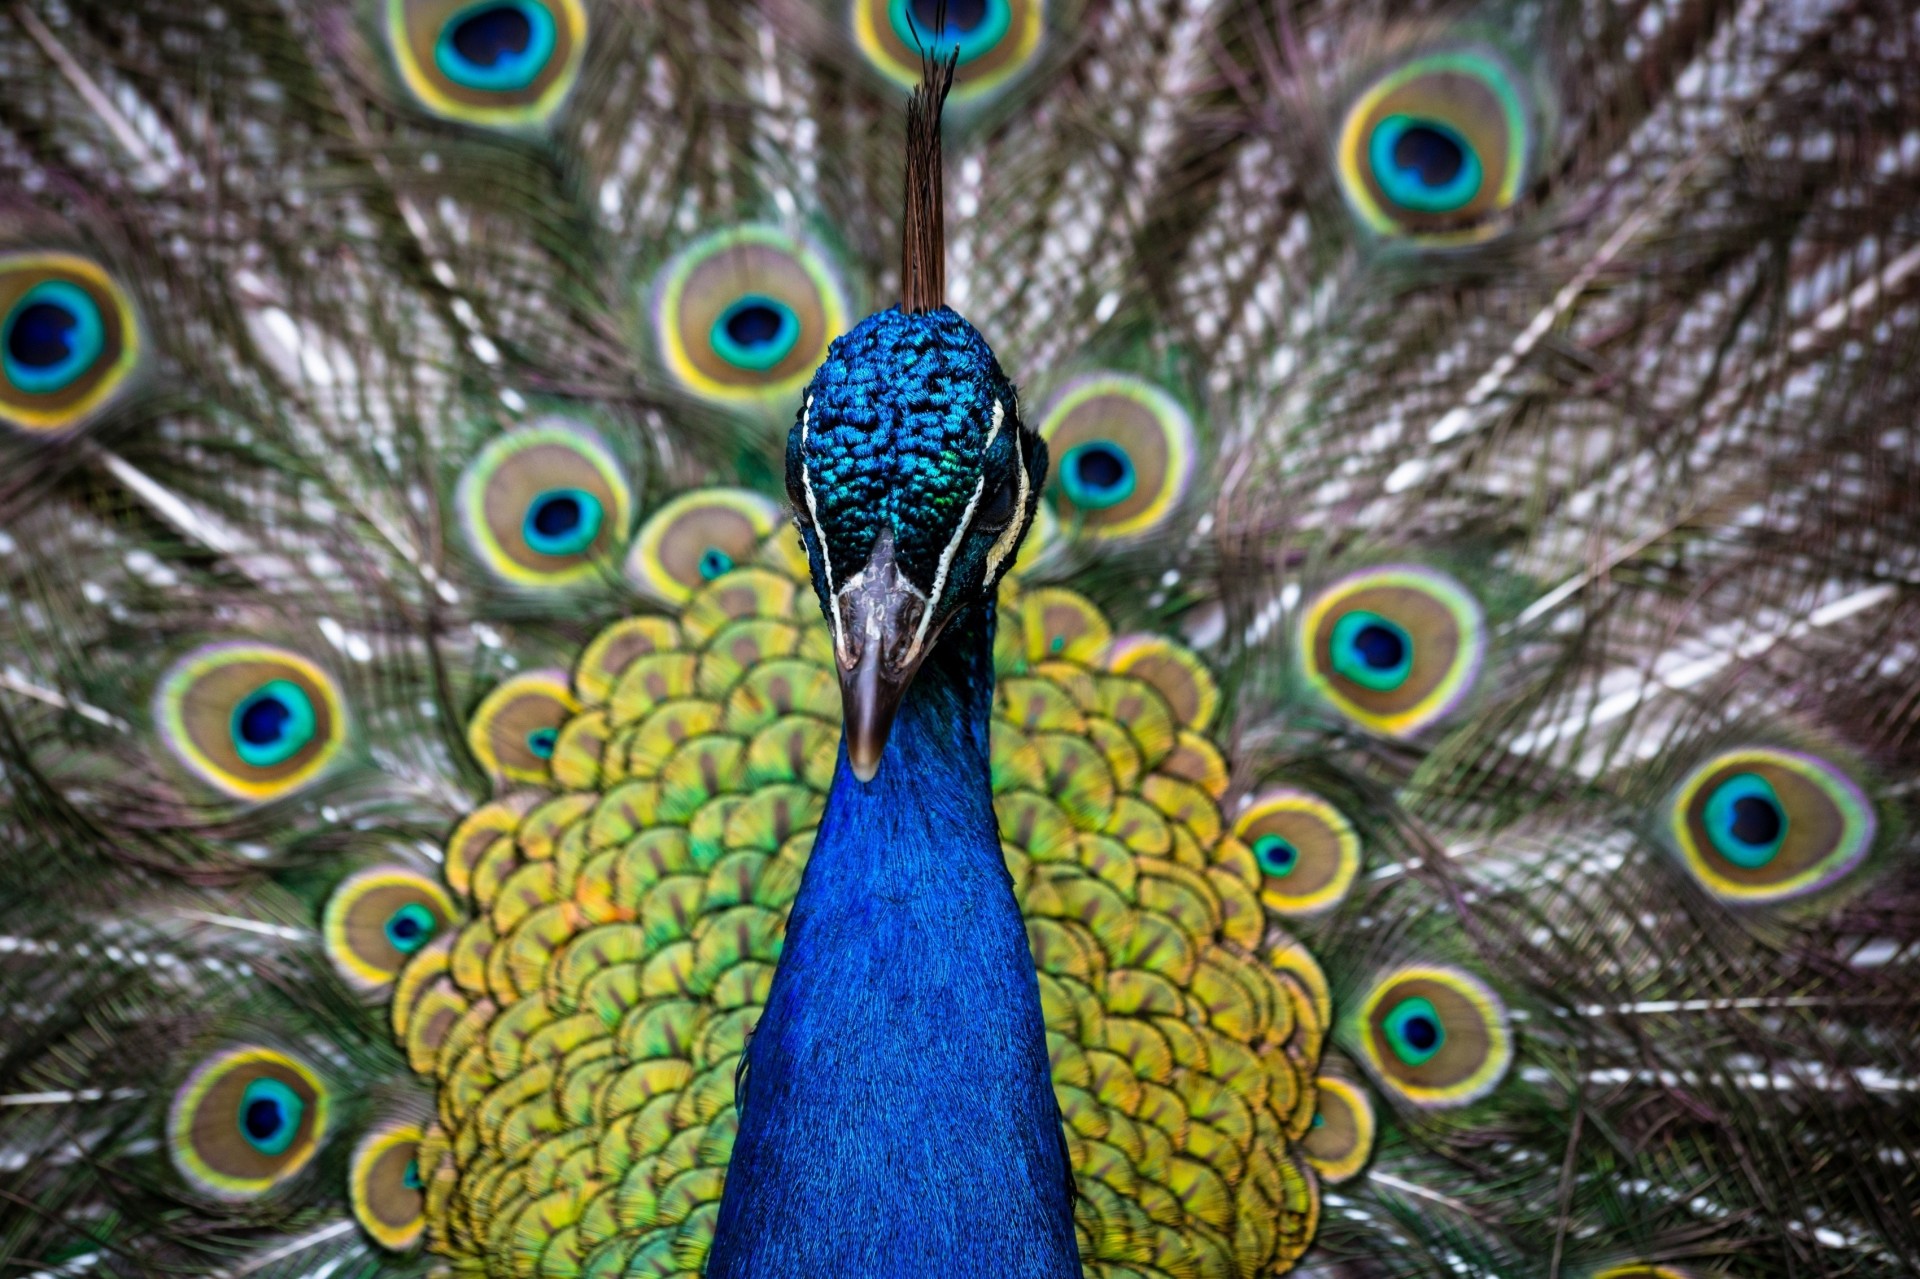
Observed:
{"x":1454,"y":732}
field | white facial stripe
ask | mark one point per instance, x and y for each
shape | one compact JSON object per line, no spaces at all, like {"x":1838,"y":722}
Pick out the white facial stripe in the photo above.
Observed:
{"x":1010,"y":538}
{"x":813,"y":514}
{"x":946,"y":557}
{"x":966,"y":526}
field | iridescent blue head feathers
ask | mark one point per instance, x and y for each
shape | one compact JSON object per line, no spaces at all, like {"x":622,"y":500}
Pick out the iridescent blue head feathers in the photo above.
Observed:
{"x":910,"y":471}
{"x":914,"y":480}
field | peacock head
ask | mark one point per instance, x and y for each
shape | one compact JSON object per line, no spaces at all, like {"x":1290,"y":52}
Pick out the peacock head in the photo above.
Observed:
{"x":913,"y":480}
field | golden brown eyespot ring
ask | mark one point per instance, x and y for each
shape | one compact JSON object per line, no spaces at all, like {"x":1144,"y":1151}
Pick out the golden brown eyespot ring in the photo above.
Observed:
{"x":1307,"y":850}
{"x":1341,"y":1138}
{"x":68,"y":340}
{"x":1438,"y":148}
{"x":1395,"y":648}
{"x":380,"y":917}
{"x":245,"y":1121}
{"x":387,"y":1186}
{"x":257,"y":721}
{"x":1763,"y":824}
{"x":498,"y":63}
{"x":1435,"y":1035}
{"x":744,"y":315}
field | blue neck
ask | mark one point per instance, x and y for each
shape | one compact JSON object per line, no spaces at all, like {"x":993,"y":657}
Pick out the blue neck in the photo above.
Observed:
{"x":898,"y":1116}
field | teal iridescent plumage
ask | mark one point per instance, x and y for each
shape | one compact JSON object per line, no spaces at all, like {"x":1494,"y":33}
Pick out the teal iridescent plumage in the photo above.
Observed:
{"x":893,"y":434}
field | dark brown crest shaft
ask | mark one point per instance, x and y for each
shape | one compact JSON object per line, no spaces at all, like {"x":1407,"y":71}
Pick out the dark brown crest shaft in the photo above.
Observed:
{"x":923,"y":232}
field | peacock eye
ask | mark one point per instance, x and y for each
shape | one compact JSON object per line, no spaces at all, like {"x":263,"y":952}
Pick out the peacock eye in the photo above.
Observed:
{"x":1341,"y":1138}
{"x":245,"y":1121}
{"x":996,"y":509}
{"x":377,"y":917}
{"x":386,"y":1185}
{"x":516,"y":729}
{"x":698,"y":538}
{"x":1307,"y":851}
{"x":992,"y":41}
{"x":1126,"y":453}
{"x":744,"y":315}
{"x":256,"y":721}
{"x":502,"y":63}
{"x":545,"y":505}
{"x":1395,"y":648}
{"x":1435,"y":1035}
{"x":67,"y":340}
{"x":1762,"y":824}
{"x":1438,"y":148}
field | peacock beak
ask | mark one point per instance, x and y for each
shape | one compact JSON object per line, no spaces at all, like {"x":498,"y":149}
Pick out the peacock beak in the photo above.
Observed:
{"x":881,"y":634}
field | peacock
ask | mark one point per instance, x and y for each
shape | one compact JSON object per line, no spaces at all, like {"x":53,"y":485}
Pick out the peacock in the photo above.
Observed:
{"x":1151,"y":639}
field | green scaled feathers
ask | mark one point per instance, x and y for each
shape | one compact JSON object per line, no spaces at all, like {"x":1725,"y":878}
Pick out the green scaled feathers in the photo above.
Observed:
{"x":583,"y":1030}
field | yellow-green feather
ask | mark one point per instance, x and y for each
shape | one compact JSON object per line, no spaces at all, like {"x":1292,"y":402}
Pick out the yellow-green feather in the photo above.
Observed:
{"x":583,"y":1029}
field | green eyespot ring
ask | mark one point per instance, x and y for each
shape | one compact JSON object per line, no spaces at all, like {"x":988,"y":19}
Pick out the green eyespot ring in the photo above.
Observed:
{"x":270,"y":1116}
{"x":1373,"y":651}
{"x":1097,"y":474}
{"x":755,"y":332}
{"x":1276,"y":856}
{"x":995,"y":40}
{"x":1424,"y":165}
{"x":496,"y":46}
{"x":1746,"y":820}
{"x":972,"y":28}
{"x":273,"y":724}
{"x":51,"y":337}
{"x":411,"y":927}
{"x":1415,"y":1031}
{"x":563,"y":521}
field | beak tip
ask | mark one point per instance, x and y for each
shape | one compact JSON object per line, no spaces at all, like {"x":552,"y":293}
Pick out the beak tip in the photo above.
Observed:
{"x":864,"y":769}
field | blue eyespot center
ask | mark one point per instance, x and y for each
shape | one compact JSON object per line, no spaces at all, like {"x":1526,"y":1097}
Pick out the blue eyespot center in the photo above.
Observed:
{"x":1275,"y":855}
{"x":1424,"y":165}
{"x":756,"y":332}
{"x":973,"y":27}
{"x":42,"y":334}
{"x":270,"y":1115}
{"x":1097,"y":475}
{"x":410,"y":1176}
{"x":1373,"y":651}
{"x":1319,"y":1120}
{"x":715,"y":562}
{"x":54,"y":334}
{"x":1746,"y":820}
{"x":541,"y":741}
{"x":1414,"y":1030}
{"x":962,"y":15}
{"x":411,"y":927}
{"x":563,"y":521}
{"x":273,"y":723}
{"x":500,"y":46}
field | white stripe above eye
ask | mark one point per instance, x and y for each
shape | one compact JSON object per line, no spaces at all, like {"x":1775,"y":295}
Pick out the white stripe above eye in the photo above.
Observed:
{"x":966,"y":526}
{"x":1010,"y":537}
{"x":813,"y":514}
